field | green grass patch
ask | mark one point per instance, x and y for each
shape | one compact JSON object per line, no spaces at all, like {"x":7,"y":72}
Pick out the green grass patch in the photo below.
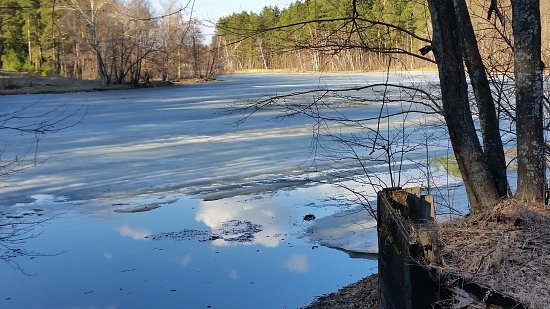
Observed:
{"x":448,"y":163}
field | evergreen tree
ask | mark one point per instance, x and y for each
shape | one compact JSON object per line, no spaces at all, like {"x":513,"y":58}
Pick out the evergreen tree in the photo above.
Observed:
{"x":13,"y":49}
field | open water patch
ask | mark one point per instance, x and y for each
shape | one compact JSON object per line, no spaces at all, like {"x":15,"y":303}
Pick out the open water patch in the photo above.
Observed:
{"x":228,"y":253}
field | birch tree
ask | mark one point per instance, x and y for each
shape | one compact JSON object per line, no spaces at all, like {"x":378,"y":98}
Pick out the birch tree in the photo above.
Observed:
{"x":90,"y":11}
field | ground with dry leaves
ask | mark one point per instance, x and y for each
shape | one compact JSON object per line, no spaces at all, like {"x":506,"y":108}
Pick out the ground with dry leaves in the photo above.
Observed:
{"x":362,"y":294}
{"x":507,"y":249}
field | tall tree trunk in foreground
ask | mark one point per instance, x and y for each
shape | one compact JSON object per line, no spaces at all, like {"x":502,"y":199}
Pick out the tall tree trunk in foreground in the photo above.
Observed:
{"x":490,"y":130}
{"x":480,"y":186}
{"x":529,"y":99}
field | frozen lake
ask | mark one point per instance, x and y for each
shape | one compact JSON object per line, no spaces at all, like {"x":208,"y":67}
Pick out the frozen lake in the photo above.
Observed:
{"x":221,"y":202}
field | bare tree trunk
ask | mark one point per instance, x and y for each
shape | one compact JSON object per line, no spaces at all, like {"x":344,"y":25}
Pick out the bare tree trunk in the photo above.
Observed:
{"x":479,"y":183}
{"x":1,"y":52}
{"x":100,"y":66}
{"x":29,"y":45}
{"x":196,"y":63}
{"x":1,"y":43}
{"x":262,"y":56}
{"x":529,"y":100}
{"x":492,"y":143}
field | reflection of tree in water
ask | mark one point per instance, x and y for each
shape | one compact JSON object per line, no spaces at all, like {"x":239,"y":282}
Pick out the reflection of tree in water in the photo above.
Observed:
{"x":15,"y":231}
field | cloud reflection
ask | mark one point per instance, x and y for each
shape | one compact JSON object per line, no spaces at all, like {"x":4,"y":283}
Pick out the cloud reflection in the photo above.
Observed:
{"x":270,"y":215}
{"x":233,"y":275}
{"x":297,"y":264}
{"x":186,"y":260}
{"x":134,"y":233}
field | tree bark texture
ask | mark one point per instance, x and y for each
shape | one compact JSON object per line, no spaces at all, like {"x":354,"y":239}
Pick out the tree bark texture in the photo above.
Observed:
{"x":479,"y":183}
{"x":529,"y":100}
{"x":490,"y":130}
{"x":1,"y":53}
{"x":104,"y":79}
{"x":1,"y":44}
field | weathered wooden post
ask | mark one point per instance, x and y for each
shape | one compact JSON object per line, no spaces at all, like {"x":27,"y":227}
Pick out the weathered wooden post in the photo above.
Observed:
{"x":408,"y":251}
{"x":404,"y":282}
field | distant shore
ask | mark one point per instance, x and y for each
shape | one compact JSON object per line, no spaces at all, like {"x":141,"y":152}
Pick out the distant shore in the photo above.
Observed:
{"x":24,"y":83}
{"x":286,"y":71}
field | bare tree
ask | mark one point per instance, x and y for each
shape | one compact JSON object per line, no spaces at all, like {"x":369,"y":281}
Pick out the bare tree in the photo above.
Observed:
{"x":488,"y":119}
{"x":89,"y":11}
{"x":446,"y":46}
{"x":455,"y":43}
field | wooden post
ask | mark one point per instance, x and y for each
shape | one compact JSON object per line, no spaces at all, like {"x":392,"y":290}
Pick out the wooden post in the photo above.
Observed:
{"x":406,"y":276}
{"x":403,"y":281}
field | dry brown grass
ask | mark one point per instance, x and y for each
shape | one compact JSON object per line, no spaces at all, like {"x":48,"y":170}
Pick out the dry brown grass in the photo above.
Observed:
{"x":22,"y":83}
{"x":362,"y":294}
{"x":507,"y":249}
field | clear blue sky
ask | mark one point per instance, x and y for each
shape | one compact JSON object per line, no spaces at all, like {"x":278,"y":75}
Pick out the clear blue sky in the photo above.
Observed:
{"x":211,"y":10}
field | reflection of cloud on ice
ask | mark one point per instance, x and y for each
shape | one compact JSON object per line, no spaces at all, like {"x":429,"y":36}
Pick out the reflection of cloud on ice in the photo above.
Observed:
{"x":186,"y":260}
{"x":221,"y":243}
{"x":134,"y":233}
{"x":297,"y":264}
{"x":233,"y":275}
{"x":270,"y":215}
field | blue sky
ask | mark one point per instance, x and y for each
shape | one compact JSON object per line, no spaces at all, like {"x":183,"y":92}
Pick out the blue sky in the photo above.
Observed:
{"x":211,"y":10}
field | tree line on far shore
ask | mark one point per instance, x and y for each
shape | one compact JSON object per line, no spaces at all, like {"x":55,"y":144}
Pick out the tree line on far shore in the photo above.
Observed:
{"x":115,"y":41}
{"x":130,"y":42}
{"x":322,"y":35}
{"x":502,"y":46}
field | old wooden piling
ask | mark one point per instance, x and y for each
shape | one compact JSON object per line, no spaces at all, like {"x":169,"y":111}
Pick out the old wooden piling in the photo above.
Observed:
{"x":409,"y":263}
{"x":400,"y":274}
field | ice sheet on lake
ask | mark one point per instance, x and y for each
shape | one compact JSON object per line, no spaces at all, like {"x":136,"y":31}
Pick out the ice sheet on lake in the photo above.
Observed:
{"x":353,"y":231}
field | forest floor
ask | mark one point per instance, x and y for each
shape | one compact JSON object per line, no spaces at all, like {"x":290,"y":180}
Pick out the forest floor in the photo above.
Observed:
{"x":506,"y":248}
{"x":24,"y":83}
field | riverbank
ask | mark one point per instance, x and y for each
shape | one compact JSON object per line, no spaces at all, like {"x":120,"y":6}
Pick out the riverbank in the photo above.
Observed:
{"x":24,"y":83}
{"x":362,"y":294}
{"x":505,"y":249}
{"x":298,"y":71}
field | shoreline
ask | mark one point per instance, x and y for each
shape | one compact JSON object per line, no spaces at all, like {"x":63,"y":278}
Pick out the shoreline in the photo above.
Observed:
{"x":17,"y":83}
{"x":361,"y":294}
{"x":283,"y":71}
